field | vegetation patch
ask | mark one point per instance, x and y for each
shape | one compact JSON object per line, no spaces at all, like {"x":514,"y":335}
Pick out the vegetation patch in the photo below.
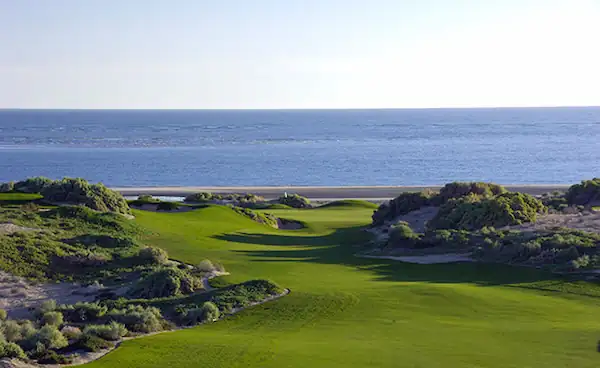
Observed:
{"x":474,"y":212}
{"x":350,"y":203}
{"x":294,"y":201}
{"x":260,"y":217}
{"x":586,"y":193}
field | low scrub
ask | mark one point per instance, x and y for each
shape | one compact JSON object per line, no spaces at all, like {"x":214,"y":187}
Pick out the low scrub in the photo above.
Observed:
{"x":401,"y":205}
{"x":166,"y":282}
{"x":167,"y":206}
{"x":462,"y":189}
{"x":473,"y":212}
{"x":80,"y":192}
{"x":586,"y":193}
{"x":207,"y":312}
{"x":244,"y":294}
{"x":111,"y":332}
{"x":294,"y":201}
{"x":263,"y":218}
{"x":137,"y":318}
{"x":92,"y":343}
{"x":11,"y":350}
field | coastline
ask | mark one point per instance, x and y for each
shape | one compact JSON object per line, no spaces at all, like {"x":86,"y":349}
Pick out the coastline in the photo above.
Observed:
{"x":375,"y":193}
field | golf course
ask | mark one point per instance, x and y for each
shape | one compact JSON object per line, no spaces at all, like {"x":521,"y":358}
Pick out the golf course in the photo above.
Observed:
{"x":346,"y":311}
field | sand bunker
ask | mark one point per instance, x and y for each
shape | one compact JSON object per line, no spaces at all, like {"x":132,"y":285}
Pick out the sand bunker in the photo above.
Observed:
{"x":586,"y":221}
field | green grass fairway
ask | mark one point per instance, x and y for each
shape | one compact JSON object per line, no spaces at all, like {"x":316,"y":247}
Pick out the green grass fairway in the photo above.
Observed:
{"x":17,"y":198}
{"x":345,"y":311}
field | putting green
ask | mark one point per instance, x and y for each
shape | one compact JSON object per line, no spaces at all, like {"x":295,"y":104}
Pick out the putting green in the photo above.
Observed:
{"x":345,"y":311}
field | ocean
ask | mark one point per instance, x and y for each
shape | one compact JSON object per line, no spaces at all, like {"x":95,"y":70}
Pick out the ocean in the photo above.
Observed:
{"x":302,"y":147}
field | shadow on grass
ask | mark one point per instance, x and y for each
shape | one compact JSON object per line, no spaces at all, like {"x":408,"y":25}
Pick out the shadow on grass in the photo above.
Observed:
{"x":340,"y":246}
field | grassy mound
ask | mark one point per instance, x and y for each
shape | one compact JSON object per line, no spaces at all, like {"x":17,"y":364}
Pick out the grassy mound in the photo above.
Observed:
{"x":588,"y":192}
{"x":473,"y":212}
{"x":260,"y":217}
{"x":350,"y":203}
{"x":401,"y":205}
{"x":462,"y":189}
{"x":294,"y":201}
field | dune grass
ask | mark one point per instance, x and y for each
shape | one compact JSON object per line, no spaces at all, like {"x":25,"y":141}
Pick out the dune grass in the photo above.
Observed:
{"x":345,"y":311}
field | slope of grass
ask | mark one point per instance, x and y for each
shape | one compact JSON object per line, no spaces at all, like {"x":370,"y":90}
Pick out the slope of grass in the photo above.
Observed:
{"x":17,"y":198}
{"x":350,"y":203}
{"x":345,"y":311}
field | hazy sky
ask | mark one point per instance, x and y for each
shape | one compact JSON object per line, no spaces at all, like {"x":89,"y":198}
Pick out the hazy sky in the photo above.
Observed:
{"x":298,"y":53}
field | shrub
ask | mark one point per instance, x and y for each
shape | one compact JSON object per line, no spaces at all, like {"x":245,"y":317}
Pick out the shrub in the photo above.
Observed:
{"x":112,"y":331}
{"x":11,"y":350}
{"x":263,"y":218}
{"x":202,"y":197}
{"x":92,"y":343}
{"x":402,"y":235}
{"x":472,"y":212}
{"x":11,"y":331}
{"x":153,"y":256}
{"x":80,"y":192}
{"x":71,"y":333}
{"x":242,"y":295}
{"x":52,"y":357}
{"x":32,"y":185}
{"x":52,"y":318}
{"x":208,"y":312}
{"x":3,"y":315}
{"x":165,"y":283}
{"x":462,"y":189}
{"x":138,"y":319}
{"x":46,"y":306}
{"x":167,"y":206}
{"x":294,"y":201}
{"x":83,"y":312}
{"x":401,"y":205}
{"x":205,"y":266}
{"x":50,"y":337}
{"x":588,"y":192}
{"x":7,"y":187}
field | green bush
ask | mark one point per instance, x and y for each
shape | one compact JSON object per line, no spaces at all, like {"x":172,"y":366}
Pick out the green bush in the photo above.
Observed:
{"x":263,"y":218}
{"x":11,"y":331}
{"x":206,"y":266}
{"x":167,"y":206}
{"x":138,"y":319}
{"x":588,"y":192}
{"x":71,"y":333}
{"x":401,"y":234}
{"x":52,"y":357}
{"x":165,"y":282}
{"x":401,"y":205}
{"x":52,"y":318}
{"x":473,"y":212}
{"x":202,"y":197}
{"x":111,"y":332}
{"x":32,"y":185}
{"x":79,"y":192}
{"x":46,"y":306}
{"x":92,"y":343}
{"x":11,"y":350}
{"x":242,"y":295}
{"x":50,"y":337}
{"x":462,"y":189}
{"x":83,"y":312}
{"x":153,"y":256}
{"x":208,"y":312}
{"x":7,"y":187}
{"x":294,"y":201}
{"x":3,"y":315}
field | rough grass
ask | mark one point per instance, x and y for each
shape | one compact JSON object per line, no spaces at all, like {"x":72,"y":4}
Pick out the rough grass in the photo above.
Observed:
{"x":18,"y":198}
{"x":345,"y":311}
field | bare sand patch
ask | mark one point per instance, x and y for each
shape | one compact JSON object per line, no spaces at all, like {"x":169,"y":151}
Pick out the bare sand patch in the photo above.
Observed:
{"x":9,"y":228}
{"x":18,"y":295}
{"x":418,"y":219}
{"x":585,"y":221}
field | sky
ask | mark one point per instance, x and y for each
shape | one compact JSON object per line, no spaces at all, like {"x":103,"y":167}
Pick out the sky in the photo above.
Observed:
{"x":239,"y":54}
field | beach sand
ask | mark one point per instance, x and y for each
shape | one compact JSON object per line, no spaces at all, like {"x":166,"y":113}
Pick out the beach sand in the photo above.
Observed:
{"x":372,"y":193}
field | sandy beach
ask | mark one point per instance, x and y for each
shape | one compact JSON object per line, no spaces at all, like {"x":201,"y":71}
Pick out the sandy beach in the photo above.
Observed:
{"x":373,"y":193}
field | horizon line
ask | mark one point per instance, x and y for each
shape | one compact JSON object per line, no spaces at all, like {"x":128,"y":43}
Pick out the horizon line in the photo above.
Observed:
{"x":291,"y":109}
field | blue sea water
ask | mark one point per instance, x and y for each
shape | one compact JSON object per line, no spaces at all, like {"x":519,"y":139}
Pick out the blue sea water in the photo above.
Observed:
{"x":302,"y":147}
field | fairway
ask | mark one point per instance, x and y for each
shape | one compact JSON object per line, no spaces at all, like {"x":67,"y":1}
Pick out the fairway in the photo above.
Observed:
{"x":345,"y":311}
